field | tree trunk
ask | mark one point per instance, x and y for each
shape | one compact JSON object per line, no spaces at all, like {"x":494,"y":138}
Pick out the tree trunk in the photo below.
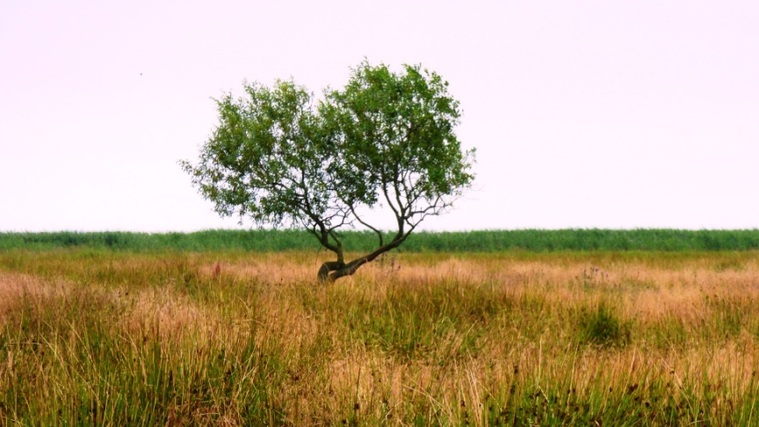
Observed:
{"x":324,"y":275}
{"x":329,"y":272}
{"x":333,"y":270}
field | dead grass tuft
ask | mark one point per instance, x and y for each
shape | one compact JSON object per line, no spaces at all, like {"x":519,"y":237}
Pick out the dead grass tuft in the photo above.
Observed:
{"x":165,"y":315}
{"x":18,"y":287}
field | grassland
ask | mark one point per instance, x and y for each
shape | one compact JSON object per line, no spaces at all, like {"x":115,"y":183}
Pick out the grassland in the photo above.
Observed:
{"x":107,"y":337}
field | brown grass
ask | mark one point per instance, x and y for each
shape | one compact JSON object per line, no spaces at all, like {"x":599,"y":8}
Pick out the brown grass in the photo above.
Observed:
{"x":321,"y":357}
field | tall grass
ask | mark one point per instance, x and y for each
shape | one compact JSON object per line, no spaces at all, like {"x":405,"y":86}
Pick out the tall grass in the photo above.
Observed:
{"x":238,"y":338}
{"x":473,"y":241}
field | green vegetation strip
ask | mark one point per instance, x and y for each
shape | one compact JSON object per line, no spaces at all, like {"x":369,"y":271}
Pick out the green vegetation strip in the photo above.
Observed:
{"x":471,"y":241}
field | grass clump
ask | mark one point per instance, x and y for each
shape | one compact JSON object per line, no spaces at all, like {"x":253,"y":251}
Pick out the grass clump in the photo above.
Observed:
{"x":601,"y":326}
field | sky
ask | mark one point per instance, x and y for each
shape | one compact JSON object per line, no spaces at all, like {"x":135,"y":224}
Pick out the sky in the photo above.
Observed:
{"x":584,"y":114}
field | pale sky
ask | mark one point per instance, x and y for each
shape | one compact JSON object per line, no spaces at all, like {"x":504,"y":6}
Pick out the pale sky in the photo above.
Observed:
{"x":607,"y":114}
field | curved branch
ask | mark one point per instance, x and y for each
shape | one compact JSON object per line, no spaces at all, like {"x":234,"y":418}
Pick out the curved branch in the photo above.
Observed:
{"x":367,"y":225}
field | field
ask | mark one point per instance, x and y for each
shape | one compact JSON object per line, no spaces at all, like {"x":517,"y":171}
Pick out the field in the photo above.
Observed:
{"x":94,"y":336}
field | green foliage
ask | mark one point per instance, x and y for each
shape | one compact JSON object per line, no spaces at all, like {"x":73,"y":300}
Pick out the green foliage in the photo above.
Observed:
{"x":395,"y":134}
{"x":472,"y":241}
{"x":265,"y":159}
{"x":588,"y":240}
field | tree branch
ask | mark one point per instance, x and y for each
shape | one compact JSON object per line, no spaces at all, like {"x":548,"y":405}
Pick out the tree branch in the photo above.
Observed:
{"x":367,"y":225}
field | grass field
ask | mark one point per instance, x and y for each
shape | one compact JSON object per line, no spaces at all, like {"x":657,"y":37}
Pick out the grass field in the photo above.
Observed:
{"x":103,"y":337}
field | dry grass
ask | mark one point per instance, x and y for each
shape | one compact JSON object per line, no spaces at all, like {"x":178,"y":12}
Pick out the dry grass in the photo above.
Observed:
{"x":15,"y":287}
{"x":234,"y":339}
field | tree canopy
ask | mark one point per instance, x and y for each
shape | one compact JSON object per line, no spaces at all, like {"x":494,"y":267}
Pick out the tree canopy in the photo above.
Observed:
{"x":385,"y":142}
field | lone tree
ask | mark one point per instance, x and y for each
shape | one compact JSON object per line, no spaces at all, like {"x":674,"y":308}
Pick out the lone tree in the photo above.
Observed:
{"x":384,"y":143}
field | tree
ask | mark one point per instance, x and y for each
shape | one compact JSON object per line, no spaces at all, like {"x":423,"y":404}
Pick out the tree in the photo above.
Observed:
{"x":385,"y":142}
